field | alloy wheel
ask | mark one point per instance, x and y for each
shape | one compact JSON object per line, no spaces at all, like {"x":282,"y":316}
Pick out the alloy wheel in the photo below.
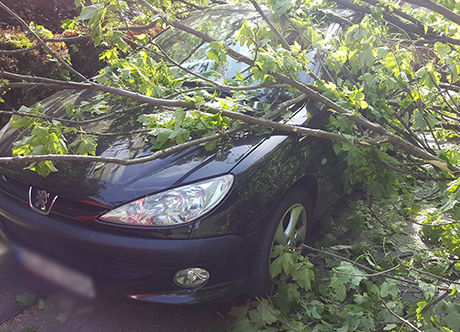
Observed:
{"x":292,"y":228}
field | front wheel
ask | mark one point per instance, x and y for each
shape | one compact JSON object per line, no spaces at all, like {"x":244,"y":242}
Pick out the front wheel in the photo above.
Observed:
{"x":287,"y":226}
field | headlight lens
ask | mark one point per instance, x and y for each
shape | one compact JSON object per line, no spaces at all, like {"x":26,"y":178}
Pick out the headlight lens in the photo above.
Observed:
{"x":172,"y":207}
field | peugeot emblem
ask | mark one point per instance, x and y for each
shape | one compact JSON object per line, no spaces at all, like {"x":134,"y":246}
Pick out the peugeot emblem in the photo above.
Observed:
{"x":41,"y":201}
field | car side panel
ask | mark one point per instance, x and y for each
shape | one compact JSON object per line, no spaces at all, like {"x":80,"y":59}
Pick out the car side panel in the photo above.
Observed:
{"x":263,"y":177}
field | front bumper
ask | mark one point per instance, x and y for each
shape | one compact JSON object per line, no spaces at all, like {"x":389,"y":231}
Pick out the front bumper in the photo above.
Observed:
{"x":127,"y":265}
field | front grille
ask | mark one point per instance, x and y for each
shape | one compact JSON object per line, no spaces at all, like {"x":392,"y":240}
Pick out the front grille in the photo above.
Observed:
{"x":63,"y":206}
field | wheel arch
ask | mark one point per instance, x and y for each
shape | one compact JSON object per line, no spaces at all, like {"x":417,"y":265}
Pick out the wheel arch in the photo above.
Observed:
{"x":310,"y":184}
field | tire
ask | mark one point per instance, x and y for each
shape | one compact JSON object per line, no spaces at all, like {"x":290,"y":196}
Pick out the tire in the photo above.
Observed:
{"x":295,"y":202}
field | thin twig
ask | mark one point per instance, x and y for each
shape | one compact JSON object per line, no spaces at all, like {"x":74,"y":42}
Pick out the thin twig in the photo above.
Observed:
{"x":422,"y":224}
{"x":437,"y":190}
{"x":357,"y":264}
{"x":431,"y":225}
{"x":434,"y":276}
{"x":439,"y":299}
{"x":75,"y":122}
{"x":127,"y":133}
{"x":403,"y":320}
{"x":370,"y":275}
{"x":227,"y":88}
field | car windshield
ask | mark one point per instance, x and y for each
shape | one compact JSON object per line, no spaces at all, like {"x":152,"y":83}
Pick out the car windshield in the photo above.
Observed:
{"x":221,"y":24}
{"x":191,"y":52}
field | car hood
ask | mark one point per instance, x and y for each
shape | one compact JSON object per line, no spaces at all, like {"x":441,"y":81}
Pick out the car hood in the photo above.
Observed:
{"x":110,"y":185}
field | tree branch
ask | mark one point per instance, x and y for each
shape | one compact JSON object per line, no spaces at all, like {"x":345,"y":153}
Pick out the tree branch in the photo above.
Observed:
{"x":19,"y":50}
{"x":411,"y":28}
{"x":271,"y":25}
{"x":408,"y":28}
{"x":399,"y":12}
{"x":67,"y":39}
{"x":75,"y":122}
{"x":228,"y":88}
{"x":436,"y":7}
{"x":23,"y":160}
{"x":97,"y":87}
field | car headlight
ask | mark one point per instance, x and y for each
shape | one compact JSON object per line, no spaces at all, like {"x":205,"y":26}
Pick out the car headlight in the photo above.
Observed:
{"x":172,"y":207}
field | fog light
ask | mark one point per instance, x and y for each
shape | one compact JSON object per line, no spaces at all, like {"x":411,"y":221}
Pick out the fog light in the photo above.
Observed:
{"x":192,"y":277}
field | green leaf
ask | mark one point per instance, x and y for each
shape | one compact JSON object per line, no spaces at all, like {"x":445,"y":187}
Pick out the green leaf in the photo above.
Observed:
{"x":44,"y":304}
{"x":281,"y":6}
{"x":213,"y":55}
{"x":367,"y":58}
{"x":338,"y":290}
{"x":457,"y":212}
{"x":442,"y":49}
{"x":240,"y":311}
{"x":420,"y":306}
{"x":244,"y":325}
{"x":314,"y":309}
{"x":239,"y":76}
{"x":91,"y":12}
{"x":85,"y":146}
{"x":287,"y":262}
{"x":26,"y":299}
{"x":61,"y":318}
{"x":265,"y":313}
{"x":428,"y":290}
{"x":304,"y":276}
{"x":117,"y":39}
{"x":452,"y":318}
{"x":217,"y":52}
{"x":256,"y":318}
{"x":179,"y":117}
{"x":351,"y":275}
{"x":355,"y":223}
{"x":389,"y":327}
{"x":389,"y":289}
{"x":275,"y":268}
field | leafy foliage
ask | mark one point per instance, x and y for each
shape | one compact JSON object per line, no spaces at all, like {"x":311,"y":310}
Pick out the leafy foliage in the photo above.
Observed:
{"x":390,"y":84}
{"x":368,"y":284}
{"x":45,"y":138}
{"x":179,"y":127}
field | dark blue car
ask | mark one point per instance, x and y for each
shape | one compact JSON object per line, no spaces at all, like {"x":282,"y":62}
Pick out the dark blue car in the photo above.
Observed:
{"x":195,"y":226}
